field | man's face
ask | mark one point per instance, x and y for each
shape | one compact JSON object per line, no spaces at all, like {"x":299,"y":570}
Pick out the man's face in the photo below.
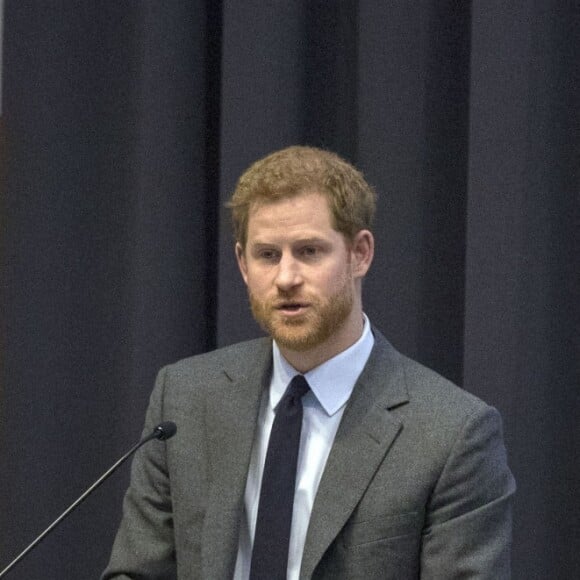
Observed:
{"x":299,"y":272}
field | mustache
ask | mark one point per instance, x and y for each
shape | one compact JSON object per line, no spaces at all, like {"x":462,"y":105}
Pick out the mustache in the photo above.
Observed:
{"x":290,"y":299}
{"x":284,"y":299}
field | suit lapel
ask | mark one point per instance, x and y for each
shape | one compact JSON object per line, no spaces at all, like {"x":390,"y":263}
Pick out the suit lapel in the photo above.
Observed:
{"x":232,"y":416}
{"x":365,"y":435}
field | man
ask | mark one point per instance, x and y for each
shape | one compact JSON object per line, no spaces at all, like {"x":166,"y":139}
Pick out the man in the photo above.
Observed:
{"x":399,"y":474}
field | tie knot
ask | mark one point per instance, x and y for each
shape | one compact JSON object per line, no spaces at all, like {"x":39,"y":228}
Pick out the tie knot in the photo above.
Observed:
{"x":298,"y":387}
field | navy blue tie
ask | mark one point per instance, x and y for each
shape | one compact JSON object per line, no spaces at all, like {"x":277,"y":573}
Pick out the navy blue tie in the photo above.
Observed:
{"x":272,"y":538}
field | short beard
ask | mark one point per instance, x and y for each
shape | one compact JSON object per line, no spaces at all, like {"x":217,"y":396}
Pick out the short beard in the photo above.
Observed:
{"x":321,"y":321}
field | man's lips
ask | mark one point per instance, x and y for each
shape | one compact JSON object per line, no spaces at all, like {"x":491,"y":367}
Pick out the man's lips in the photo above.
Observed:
{"x":291,"y":307}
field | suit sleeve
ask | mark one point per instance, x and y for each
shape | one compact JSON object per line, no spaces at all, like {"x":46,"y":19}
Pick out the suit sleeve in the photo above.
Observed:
{"x":144,"y":545}
{"x":468,"y":524}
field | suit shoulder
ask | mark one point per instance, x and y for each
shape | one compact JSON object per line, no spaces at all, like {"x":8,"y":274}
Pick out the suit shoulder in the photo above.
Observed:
{"x":235,"y":359}
{"x":444,"y":413}
{"x":418,"y":384}
{"x":429,"y":386}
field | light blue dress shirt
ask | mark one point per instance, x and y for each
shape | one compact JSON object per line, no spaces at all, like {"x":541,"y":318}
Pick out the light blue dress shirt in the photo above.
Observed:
{"x":331,"y":385}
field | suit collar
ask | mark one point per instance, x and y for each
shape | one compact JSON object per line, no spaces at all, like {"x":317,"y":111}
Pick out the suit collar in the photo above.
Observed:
{"x":232,"y":415}
{"x":366,"y":432}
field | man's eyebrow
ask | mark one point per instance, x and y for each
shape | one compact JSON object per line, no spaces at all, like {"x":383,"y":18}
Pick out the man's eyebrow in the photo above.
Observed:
{"x":312,"y":240}
{"x":261,"y":243}
{"x":307,"y":240}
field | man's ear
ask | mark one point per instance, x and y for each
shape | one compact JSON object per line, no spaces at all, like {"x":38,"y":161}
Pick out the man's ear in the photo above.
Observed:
{"x":363,"y":250}
{"x":241,"y":258}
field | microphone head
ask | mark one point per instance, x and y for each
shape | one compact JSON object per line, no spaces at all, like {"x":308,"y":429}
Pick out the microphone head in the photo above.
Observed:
{"x":165,"y":430}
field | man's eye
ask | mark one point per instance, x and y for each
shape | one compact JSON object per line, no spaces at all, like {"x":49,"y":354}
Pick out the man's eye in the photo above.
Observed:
{"x":268,"y":255}
{"x":309,"y":251}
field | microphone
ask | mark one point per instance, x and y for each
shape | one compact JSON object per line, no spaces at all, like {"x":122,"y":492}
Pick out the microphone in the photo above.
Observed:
{"x":162,"y":432}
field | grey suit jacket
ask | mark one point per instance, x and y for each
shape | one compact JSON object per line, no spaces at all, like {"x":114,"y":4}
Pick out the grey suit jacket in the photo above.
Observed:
{"x":416,"y":484}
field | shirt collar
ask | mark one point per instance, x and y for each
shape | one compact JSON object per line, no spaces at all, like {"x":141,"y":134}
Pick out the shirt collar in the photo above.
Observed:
{"x":331,"y":382}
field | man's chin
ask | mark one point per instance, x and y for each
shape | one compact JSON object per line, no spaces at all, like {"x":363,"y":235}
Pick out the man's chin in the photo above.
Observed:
{"x":295,"y":336}
{"x":295,"y":343}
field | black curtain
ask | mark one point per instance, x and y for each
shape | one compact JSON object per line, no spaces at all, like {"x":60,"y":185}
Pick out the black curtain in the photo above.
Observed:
{"x":125,"y":126}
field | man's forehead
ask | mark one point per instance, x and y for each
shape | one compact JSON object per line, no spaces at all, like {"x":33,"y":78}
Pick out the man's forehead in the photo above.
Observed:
{"x":298,"y":206}
{"x":285,"y":198}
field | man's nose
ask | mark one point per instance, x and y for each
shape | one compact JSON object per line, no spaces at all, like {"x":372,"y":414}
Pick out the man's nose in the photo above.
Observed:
{"x":289,"y":274}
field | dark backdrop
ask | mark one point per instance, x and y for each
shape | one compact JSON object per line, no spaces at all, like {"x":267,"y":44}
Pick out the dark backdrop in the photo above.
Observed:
{"x":125,"y":127}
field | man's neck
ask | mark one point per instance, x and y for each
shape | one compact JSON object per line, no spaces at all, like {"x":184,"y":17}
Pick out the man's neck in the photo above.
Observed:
{"x":304,"y":361}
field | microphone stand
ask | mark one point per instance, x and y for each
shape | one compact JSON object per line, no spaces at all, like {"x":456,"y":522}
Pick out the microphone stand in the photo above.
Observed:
{"x":163,"y":431}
